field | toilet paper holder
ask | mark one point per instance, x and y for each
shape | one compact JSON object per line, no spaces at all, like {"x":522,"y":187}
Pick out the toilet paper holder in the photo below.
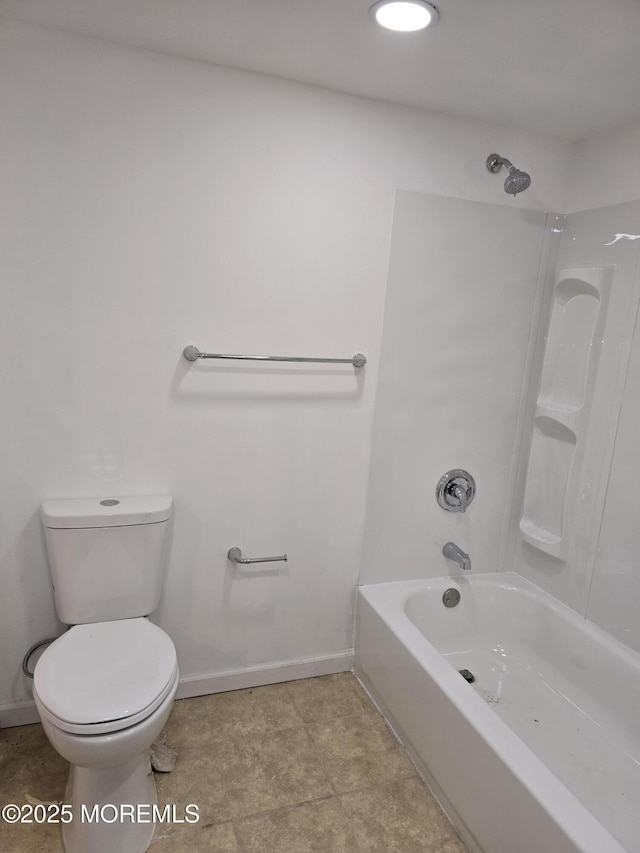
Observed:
{"x":235,"y":555}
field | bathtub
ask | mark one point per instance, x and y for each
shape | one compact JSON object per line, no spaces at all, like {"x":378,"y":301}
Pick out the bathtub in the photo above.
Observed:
{"x":541,"y":753}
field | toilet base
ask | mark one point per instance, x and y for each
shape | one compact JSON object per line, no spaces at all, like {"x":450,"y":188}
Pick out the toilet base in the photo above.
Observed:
{"x":103,"y":802}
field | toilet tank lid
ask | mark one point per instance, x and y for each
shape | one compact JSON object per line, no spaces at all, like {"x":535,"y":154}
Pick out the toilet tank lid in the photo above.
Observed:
{"x":107,"y":511}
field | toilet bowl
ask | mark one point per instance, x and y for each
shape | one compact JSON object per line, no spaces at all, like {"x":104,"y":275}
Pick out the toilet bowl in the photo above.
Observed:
{"x":105,"y":688}
{"x":104,"y":691}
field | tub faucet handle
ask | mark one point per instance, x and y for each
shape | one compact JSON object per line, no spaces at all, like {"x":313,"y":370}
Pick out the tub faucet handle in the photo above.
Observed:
{"x":452,"y":552}
{"x":461,"y":494}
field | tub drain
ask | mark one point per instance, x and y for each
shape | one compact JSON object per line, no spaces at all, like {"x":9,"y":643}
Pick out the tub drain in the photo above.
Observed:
{"x":451,"y":597}
{"x":467,"y":675}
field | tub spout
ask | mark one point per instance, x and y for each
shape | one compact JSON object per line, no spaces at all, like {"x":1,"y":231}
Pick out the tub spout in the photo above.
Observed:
{"x":452,"y":552}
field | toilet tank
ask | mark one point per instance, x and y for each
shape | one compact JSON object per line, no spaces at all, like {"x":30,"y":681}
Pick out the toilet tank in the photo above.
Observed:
{"x":106,"y":555}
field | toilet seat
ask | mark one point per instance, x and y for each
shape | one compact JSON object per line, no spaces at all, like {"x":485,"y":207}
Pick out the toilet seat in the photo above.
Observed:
{"x":103,"y":677}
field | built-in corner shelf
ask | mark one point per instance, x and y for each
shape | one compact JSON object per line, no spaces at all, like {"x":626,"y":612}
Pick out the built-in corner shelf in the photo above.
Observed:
{"x":571,"y":356}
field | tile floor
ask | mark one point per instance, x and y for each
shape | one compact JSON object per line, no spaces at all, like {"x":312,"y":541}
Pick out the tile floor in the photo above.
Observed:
{"x":288,"y":768}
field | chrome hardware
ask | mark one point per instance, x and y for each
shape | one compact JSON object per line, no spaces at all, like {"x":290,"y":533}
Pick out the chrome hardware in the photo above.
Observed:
{"x":451,"y":597}
{"x":516,"y":181}
{"x":452,"y":552}
{"x":235,"y":555}
{"x":455,"y":490}
{"x":192,"y":353}
{"x":495,"y":162}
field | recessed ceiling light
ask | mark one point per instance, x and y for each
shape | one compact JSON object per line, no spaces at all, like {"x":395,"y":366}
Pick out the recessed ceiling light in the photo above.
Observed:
{"x":405,"y":16}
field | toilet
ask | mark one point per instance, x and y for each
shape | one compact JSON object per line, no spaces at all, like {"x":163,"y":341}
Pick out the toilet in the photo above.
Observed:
{"x":104,"y":689}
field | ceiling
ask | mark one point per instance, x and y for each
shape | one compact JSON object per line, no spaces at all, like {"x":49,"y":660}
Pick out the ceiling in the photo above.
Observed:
{"x":568,"y":68}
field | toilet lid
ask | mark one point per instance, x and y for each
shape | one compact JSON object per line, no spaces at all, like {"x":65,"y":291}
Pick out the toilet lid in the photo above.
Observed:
{"x":106,"y":672}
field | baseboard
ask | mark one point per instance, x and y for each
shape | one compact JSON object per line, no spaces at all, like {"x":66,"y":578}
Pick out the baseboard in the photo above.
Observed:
{"x":269,"y":673}
{"x":18,"y":714}
{"x":24,"y":712}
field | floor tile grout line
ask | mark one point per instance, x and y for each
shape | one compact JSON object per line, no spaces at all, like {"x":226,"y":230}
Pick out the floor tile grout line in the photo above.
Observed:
{"x":338,"y":795}
{"x":292,"y":699}
{"x":338,"y":798}
{"x":328,"y":798}
{"x":239,"y":843}
{"x":301,"y":728}
{"x":364,"y":698}
{"x":365,"y":713}
{"x":321,"y":760}
{"x":388,"y":729}
{"x":209,"y":747}
{"x":375,"y":787}
{"x":287,"y":807}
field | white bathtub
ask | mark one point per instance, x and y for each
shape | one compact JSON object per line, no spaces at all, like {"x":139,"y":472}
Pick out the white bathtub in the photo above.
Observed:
{"x":541,"y":754}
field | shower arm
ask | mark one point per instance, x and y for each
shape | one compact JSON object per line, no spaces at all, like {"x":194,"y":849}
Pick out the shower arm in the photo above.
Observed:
{"x":495,"y":163}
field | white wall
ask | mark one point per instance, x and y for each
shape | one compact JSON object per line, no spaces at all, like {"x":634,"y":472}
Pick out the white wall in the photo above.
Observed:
{"x":149,"y":203}
{"x":605,"y":169}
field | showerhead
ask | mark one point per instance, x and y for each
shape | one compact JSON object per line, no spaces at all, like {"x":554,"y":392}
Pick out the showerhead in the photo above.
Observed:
{"x":516,"y":181}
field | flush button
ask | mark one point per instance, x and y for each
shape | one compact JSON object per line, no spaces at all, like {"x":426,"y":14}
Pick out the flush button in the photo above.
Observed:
{"x":109,"y":502}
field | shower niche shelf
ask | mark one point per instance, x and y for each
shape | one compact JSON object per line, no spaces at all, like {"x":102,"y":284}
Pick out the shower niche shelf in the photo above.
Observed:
{"x":577,"y":303}
{"x":553,"y":450}
{"x":569,"y":369}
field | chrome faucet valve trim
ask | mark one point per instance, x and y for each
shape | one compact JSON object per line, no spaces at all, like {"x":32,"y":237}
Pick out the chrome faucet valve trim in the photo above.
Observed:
{"x":455,"y":490}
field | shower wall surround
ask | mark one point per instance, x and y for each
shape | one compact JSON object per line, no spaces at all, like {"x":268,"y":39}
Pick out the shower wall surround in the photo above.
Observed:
{"x":576,"y":520}
{"x":606,"y":173}
{"x":463,"y":290}
{"x":151,"y":202}
{"x":572,"y":350}
{"x":510,"y":348}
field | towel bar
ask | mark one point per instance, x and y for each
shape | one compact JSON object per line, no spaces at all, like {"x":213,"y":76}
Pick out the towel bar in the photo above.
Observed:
{"x":192,"y":353}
